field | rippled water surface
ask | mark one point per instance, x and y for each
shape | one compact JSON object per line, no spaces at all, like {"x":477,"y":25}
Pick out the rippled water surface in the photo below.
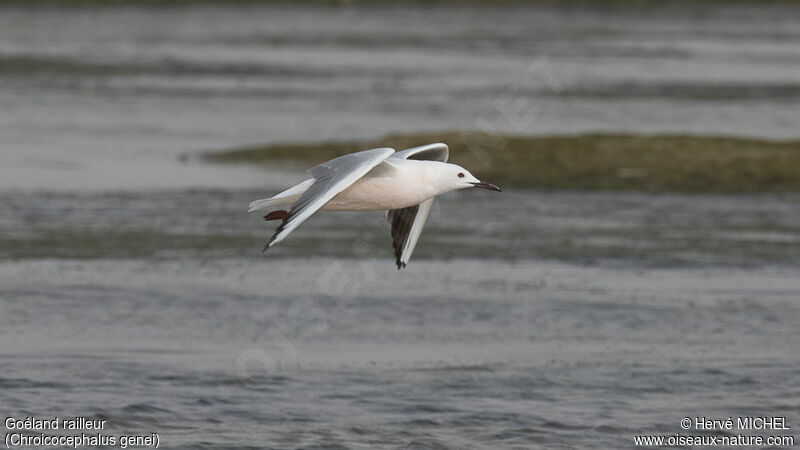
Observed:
{"x":132,"y":287}
{"x":288,"y":353}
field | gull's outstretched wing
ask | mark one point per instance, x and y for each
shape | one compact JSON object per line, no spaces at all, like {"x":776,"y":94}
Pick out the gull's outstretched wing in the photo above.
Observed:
{"x":407,"y":223}
{"x":430,"y":152}
{"x":330,"y":178}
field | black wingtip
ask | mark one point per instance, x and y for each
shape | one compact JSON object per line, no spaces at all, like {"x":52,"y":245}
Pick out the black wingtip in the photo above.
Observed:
{"x":271,"y":240}
{"x":401,"y":265}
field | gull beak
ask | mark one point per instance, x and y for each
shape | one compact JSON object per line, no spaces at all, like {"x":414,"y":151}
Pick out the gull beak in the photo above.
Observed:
{"x":489,"y":186}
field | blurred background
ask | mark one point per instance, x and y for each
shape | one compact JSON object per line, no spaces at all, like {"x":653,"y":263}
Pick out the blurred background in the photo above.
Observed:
{"x":132,"y":286}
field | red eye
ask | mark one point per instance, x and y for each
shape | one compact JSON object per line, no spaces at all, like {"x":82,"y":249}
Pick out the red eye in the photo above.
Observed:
{"x":460,"y":174}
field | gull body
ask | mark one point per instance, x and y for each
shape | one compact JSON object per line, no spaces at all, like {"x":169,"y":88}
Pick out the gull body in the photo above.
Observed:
{"x":404,"y":183}
{"x":411,"y":182}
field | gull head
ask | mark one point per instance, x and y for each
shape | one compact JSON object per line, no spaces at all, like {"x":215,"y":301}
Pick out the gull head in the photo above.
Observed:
{"x":453,"y":176}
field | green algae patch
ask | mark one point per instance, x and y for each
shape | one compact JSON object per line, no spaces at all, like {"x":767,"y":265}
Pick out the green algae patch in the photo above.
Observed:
{"x":652,"y":163}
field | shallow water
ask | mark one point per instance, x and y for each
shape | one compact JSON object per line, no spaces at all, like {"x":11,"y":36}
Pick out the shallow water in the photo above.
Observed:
{"x":602,"y":316}
{"x":132,"y":287}
{"x":600,"y":228}
{"x":276,"y":353}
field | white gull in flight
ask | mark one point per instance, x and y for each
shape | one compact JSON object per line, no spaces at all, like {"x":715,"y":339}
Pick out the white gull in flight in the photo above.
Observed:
{"x":404,"y":183}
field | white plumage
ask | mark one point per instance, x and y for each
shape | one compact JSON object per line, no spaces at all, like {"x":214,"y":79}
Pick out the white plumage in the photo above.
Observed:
{"x":404,"y":183}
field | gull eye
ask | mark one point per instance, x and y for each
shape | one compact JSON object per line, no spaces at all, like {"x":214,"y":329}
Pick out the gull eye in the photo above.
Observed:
{"x":460,"y":174}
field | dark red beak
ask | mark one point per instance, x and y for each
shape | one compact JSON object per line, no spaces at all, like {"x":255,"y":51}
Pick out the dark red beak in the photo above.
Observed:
{"x":488,"y":186}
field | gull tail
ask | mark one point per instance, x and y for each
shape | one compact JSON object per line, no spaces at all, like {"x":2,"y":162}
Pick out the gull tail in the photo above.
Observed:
{"x":286,"y":197}
{"x":264,"y":203}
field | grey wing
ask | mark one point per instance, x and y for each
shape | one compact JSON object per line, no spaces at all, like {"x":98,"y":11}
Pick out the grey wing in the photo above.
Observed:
{"x":330,"y":178}
{"x":430,"y":152}
{"x":407,"y":224}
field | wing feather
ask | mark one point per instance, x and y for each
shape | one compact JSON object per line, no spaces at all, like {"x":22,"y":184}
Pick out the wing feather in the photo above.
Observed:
{"x":430,"y":152}
{"x":407,"y":223}
{"x":330,"y":178}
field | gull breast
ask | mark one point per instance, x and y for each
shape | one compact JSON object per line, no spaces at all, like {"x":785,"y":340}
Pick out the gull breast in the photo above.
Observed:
{"x":401,"y":190}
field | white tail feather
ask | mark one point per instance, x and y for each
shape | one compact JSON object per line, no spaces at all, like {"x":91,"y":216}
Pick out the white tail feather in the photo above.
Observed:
{"x":286,"y":197}
{"x":263,"y":203}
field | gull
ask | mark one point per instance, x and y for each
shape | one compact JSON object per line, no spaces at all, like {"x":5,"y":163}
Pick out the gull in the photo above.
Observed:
{"x":405,"y":183}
